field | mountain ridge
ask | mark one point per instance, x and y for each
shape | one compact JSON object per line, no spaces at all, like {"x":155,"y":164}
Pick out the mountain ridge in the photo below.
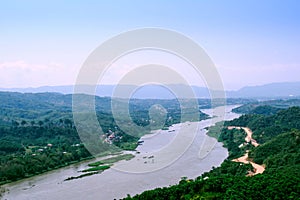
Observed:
{"x":271,"y":90}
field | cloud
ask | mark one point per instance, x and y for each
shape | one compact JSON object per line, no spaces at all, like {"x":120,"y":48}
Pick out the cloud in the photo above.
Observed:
{"x":24,"y":74}
{"x":21,"y":65}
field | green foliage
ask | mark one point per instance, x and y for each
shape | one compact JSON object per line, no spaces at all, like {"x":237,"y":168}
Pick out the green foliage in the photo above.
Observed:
{"x":98,"y":168}
{"x":257,"y":109}
{"x":267,"y":127}
{"x":17,"y":166}
{"x":279,"y":151}
{"x":81,"y":176}
{"x":231,"y":140}
{"x":266,"y":107}
{"x":229,"y":168}
{"x":29,"y":122}
{"x":112,"y":160}
{"x":229,"y":182}
{"x":139,"y":110}
{"x":282,"y":185}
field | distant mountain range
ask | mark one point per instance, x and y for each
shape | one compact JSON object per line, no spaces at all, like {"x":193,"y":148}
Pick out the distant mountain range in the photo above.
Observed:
{"x":287,"y":89}
{"x":272,"y":90}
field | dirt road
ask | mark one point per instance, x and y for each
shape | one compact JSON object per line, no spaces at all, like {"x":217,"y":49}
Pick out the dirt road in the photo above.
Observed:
{"x":258,"y":169}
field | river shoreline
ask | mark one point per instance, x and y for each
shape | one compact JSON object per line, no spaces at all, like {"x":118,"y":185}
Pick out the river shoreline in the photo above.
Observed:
{"x":116,"y":183}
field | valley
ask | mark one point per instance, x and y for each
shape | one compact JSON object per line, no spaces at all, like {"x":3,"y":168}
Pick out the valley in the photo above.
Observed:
{"x":40,"y":149}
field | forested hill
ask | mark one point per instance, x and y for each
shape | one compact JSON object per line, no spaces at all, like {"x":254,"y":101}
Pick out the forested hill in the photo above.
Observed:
{"x":37,"y":131}
{"x":272,"y":90}
{"x":279,"y":152}
{"x":39,"y":106}
{"x":267,"y":127}
{"x":267,"y":107}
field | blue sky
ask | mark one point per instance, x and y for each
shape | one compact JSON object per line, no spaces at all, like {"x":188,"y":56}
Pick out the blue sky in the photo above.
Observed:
{"x":251,"y":42}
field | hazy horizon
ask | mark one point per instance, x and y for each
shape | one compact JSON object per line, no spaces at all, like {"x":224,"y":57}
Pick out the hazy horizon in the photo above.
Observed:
{"x":8,"y":88}
{"x":251,"y":43}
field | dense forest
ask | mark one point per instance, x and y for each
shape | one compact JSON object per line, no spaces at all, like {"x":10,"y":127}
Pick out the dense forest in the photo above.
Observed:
{"x":279,"y":136}
{"x":37,"y":131}
{"x":266,"y":107}
{"x":37,"y":134}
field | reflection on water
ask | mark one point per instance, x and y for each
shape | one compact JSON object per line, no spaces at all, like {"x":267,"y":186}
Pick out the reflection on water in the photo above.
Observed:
{"x":114,"y":183}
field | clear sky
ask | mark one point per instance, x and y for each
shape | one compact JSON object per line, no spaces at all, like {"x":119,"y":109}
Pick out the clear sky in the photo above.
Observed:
{"x":251,"y":42}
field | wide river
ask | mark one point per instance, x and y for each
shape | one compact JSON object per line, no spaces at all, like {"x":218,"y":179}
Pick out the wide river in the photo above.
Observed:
{"x":163,"y":160}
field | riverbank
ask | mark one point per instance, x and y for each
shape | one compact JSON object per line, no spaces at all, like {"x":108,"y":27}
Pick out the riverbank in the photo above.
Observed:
{"x":100,"y":166}
{"x":117,"y":183}
{"x":65,"y":165}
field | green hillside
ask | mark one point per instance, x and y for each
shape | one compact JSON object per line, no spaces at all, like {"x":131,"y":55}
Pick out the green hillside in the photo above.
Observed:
{"x":279,"y":152}
{"x":37,"y":131}
{"x":266,"y":107}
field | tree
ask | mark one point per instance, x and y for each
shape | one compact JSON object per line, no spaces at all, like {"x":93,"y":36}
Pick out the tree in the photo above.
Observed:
{"x":23,"y":123}
{"x":41,"y":123}
{"x":15,"y":123}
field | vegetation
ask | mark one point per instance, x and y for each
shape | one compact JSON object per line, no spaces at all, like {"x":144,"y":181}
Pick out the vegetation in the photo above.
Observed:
{"x":267,"y":127}
{"x":98,"y":168}
{"x":37,"y":132}
{"x":266,"y":107}
{"x":231,"y":139}
{"x":29,"y":150}
{"x":81,"y":176}
{"x":206,"y":103}
{"x":279,"y":152}
{"x":111,"y":160}
{"x":281,"y":185}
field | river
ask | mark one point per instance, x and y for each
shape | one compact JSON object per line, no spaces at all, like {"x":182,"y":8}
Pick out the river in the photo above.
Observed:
{"x":151,"y":168}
